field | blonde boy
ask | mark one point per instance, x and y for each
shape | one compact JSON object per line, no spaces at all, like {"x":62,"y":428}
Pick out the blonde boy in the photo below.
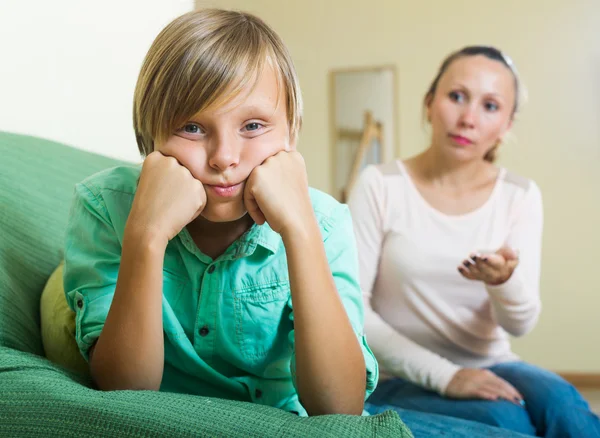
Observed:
{"x":213,"y":269}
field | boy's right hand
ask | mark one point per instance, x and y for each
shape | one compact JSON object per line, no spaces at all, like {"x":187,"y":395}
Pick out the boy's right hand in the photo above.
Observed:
{"x":168,"y":198}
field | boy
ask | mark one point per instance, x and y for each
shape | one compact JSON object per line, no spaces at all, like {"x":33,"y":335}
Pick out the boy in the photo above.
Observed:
{"x":214,"y":269}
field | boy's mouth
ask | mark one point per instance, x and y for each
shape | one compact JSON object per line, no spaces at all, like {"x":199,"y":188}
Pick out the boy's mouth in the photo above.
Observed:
{"x":225,"y":191}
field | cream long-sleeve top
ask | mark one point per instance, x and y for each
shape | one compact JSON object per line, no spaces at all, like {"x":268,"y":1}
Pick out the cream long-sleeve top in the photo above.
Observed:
{"x":423,"y":320}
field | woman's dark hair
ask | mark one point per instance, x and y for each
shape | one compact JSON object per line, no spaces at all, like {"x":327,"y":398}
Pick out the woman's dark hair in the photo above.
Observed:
{"x":488,"y":52}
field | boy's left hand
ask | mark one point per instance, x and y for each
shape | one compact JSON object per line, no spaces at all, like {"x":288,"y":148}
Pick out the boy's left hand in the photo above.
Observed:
{"x":493,"y":269}
{"x":277,"y":192}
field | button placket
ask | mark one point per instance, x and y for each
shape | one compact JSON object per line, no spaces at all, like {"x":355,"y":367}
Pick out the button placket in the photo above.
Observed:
{"x":204,"y":339}
{"x":204,"y":331}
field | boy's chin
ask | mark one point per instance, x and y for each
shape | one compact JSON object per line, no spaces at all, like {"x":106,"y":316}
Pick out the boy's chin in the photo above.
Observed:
{"x":228,"y":212}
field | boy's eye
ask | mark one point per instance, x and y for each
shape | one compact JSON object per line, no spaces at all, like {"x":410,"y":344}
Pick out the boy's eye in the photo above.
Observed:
{"x":456,"y":96}
{"x":192,"y":128}
{"x":491,"y":106}
{"x":252,"y":126}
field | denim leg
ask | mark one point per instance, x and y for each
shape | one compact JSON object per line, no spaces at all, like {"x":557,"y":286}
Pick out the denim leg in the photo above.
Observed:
{"x":406,"y":395}
{"x":555,"y":407}
{"x":425,"y":425}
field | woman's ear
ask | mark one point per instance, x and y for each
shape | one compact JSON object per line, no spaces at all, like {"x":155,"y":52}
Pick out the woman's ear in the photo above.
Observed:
{"x":501,"y":138}
{"x":428,"y":101}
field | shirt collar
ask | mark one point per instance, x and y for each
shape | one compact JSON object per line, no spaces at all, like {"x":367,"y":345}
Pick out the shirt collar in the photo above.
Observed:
{"x":257,"y":235}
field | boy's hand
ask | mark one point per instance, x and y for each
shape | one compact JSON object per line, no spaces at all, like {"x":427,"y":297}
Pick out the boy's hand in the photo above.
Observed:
{"x":277,"y":192}
{"x":168,"y":198}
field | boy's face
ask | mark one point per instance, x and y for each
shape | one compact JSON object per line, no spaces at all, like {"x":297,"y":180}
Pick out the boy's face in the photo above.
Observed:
{"x":222,"y":146}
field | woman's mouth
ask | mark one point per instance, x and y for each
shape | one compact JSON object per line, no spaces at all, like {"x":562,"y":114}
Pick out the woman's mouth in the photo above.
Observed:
{"x":460,"y":140}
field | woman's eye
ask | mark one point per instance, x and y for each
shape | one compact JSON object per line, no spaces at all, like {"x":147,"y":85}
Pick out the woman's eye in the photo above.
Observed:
{"x":491,"y":106}
{"x":252,"y":126}
{"x":456,"y":96}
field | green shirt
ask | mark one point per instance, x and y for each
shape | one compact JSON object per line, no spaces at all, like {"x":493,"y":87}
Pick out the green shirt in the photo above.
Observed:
{"x":228,"y":323}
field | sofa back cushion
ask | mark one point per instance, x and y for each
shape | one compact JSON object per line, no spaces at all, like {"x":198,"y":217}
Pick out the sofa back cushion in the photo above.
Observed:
{"x":37,"y":178}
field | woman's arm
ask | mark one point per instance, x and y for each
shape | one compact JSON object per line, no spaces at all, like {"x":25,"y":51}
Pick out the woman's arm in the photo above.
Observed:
{"x":402,"y":357}
{"x":516,"y":302}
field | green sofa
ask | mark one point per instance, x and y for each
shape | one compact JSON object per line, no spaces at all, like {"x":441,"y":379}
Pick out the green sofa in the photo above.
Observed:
{"x":39,"y":398}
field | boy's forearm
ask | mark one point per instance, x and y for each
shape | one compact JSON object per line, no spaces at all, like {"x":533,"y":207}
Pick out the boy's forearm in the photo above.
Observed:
{"x":330,"y":367}
{"x":130,"y":353}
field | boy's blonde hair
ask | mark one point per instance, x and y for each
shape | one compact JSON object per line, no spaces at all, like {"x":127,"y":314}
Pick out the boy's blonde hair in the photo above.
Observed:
{"x":203,"y":60}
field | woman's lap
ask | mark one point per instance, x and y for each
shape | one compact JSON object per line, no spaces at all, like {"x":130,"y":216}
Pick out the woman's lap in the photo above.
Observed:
{"x":553,"y":406}
{"x":424,"y":425}
{"x":406,"y":395}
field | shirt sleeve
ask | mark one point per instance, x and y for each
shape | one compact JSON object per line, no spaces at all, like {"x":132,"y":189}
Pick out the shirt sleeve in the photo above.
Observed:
{"x":397,"y":354}
{"x":516,"y":302}
{"x":340,"y":248}
{"x":92,"y":258}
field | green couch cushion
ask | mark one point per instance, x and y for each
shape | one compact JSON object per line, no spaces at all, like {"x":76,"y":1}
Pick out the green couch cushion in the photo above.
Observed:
{"x":37,"y":178}
{"x":38,"y":398}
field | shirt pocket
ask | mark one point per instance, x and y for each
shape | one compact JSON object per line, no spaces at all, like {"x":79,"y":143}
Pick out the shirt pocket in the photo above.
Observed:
{"x":262,"y":323}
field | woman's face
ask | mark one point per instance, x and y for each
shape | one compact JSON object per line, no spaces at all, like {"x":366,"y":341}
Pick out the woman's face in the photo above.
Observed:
{"x":472,"y":107}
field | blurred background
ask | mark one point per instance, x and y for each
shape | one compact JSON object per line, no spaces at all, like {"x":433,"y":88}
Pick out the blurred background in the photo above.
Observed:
{"x":69,"y":68}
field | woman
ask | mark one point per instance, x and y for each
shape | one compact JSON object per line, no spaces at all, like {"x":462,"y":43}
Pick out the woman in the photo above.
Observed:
{"x":450,"y":249}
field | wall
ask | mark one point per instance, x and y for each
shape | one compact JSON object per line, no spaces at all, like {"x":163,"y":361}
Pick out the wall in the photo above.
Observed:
{"x":352,"y":94}
{"x":69,"y":68}
{"x":556,"y":47}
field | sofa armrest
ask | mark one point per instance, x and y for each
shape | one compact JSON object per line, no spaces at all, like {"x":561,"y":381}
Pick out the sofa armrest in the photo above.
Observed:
{"x":38,"y":398}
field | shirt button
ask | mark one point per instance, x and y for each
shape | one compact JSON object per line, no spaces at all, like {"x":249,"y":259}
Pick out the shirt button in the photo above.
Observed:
{"x":211,"y":269}
{"x":204,"y":331}
{"x":258,"y":393}
{"x":80,"y":303}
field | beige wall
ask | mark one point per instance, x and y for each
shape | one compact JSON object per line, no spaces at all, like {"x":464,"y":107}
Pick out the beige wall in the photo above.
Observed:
{"x":69,"y":68}
{"x":556,"y":46}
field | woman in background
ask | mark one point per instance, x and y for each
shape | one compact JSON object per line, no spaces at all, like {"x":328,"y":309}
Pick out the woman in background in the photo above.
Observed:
{"x":450,"y":248}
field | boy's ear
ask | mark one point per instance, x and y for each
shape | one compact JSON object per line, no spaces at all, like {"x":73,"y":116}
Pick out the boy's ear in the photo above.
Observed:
{"x":291,"y":144}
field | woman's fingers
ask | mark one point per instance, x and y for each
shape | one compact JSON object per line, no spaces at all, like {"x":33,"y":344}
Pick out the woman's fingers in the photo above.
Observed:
{"x":506,"y":390}
{"x":465,"y":272}
{"x":492,"y":260}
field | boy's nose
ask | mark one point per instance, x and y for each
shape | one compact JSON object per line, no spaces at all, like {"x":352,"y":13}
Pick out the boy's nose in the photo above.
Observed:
{"x":224,"y":154}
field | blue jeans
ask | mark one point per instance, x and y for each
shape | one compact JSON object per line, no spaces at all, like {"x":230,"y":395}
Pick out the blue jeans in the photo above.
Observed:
{"x":554,"y":408}
{"x":425,"y":425}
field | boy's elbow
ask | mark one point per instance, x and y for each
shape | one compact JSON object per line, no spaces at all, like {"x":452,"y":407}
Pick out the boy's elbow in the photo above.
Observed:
{"x":124,"y":385}
{"x":108,"y":377}
{"x":340,"y":408}
{"x":354,"y":409}
{"x":120,"y":382}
